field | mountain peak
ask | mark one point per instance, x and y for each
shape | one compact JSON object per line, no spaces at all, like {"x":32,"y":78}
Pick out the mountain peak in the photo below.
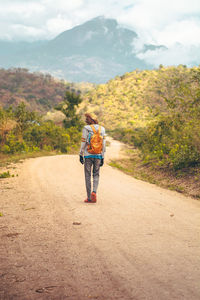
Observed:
{"x":97,"y":25}
{"x":97,"y":33}
{"x":101,"y":20}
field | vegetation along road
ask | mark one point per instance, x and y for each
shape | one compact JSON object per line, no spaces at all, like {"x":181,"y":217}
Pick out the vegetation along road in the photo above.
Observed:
{"x":137,"y":242}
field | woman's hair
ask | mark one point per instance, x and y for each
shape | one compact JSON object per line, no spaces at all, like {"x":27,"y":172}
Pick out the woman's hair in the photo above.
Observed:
{"x":90,"y":120}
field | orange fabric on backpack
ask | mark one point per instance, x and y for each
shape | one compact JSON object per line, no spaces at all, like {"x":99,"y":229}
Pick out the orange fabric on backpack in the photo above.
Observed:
{"x":96,"y":142}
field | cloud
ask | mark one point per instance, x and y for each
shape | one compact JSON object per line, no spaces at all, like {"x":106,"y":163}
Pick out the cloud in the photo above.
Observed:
{"x":150,"y":14}
{"x":20,"y":12}
{"x":149,"y":18}
{"x":57,"y":25}
{"x":175,"y":55}
{"x":30,"y":31}
{"x":183,"y":31}
{"x":175,"y":24}
{"x":52,"y":17}
{"x":20,"y":19}
{"x":60,"y":5}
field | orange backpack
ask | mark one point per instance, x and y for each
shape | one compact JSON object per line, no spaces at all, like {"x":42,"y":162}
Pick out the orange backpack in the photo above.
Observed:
{"x":96,"y":142}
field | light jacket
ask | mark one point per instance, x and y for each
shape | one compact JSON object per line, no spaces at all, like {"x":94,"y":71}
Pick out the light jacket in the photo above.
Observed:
{"x":86,"y":135}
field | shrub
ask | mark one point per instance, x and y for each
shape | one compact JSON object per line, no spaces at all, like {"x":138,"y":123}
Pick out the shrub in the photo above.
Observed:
{"x":5,"y":175}
{"x":47,"y":136}
{"x":170,"y":141}
{"x":183,"y":156}
{"x":14,"y":145}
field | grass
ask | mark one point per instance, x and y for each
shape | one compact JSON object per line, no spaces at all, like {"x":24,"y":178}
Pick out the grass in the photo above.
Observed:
{"x":185,"y":181}
{"x":7,"y":159}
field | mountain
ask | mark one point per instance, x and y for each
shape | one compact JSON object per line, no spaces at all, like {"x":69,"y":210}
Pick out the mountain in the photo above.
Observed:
{"x":95,"y":51}
{"x":40,"y":92}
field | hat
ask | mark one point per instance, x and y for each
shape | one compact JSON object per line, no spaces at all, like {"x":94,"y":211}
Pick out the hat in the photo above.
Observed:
{"x":91,"y":119}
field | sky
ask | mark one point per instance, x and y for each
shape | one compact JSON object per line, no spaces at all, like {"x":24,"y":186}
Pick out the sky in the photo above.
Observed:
{"x":172,"y":23}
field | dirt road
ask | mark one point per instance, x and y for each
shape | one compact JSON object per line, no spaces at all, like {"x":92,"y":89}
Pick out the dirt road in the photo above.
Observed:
{"x":137,"y":242}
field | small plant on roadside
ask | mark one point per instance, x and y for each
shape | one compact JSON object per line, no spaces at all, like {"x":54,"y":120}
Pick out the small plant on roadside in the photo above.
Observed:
{"x":5,"y":175}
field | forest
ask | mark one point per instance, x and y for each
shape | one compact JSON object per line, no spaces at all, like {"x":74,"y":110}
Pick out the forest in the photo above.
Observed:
{"x":39,"y":92}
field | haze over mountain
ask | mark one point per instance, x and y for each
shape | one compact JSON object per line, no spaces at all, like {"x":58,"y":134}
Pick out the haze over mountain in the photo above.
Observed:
{"x":95,"y":51}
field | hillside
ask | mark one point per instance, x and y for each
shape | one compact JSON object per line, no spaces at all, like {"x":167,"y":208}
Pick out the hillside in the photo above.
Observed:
{"x":40,"y":92}
{"x":134,"y":99}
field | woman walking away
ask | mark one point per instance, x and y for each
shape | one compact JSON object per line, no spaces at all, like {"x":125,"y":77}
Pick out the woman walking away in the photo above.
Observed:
{"x":93,"y":147}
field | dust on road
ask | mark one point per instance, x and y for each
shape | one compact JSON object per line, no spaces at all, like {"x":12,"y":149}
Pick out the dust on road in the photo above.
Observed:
{"x":137,"y":242}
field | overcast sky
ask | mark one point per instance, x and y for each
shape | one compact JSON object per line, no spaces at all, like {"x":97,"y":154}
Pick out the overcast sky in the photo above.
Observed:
{"x":173,"y":23}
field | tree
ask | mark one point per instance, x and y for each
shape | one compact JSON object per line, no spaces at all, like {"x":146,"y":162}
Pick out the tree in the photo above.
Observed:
{"x":24,"y":117}
{"x":68,"y":107}
{"x":7,"y":123}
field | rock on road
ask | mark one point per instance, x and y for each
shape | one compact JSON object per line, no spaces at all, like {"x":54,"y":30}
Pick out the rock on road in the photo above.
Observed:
{"x":137,"y":242}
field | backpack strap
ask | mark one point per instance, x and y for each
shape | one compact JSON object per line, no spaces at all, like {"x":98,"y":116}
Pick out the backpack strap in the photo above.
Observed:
{"x":99,"y":129}
{"x":93,"y":129}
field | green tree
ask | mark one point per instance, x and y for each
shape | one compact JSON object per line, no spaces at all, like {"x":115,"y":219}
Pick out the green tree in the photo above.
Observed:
{"x":24,"y":118}
{"x":68,"y":107}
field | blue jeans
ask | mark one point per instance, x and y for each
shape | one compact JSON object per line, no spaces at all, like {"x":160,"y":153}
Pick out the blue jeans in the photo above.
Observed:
{"x":89,"y":163}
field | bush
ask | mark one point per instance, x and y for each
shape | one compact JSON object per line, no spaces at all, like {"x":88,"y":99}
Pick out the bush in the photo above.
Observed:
{"x":47,"y":136}
{"x":170,"y":141}
{"x":14,"y":145}
{"x":5,"y":175}
{"x":183,"y":156}
{"x":29,"y":133}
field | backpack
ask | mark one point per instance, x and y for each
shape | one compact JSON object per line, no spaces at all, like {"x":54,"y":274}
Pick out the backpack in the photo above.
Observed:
{"x":96,"y":142}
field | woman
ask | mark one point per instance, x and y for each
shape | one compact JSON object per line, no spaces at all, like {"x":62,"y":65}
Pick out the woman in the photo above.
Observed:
{"x":92,"y":142}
